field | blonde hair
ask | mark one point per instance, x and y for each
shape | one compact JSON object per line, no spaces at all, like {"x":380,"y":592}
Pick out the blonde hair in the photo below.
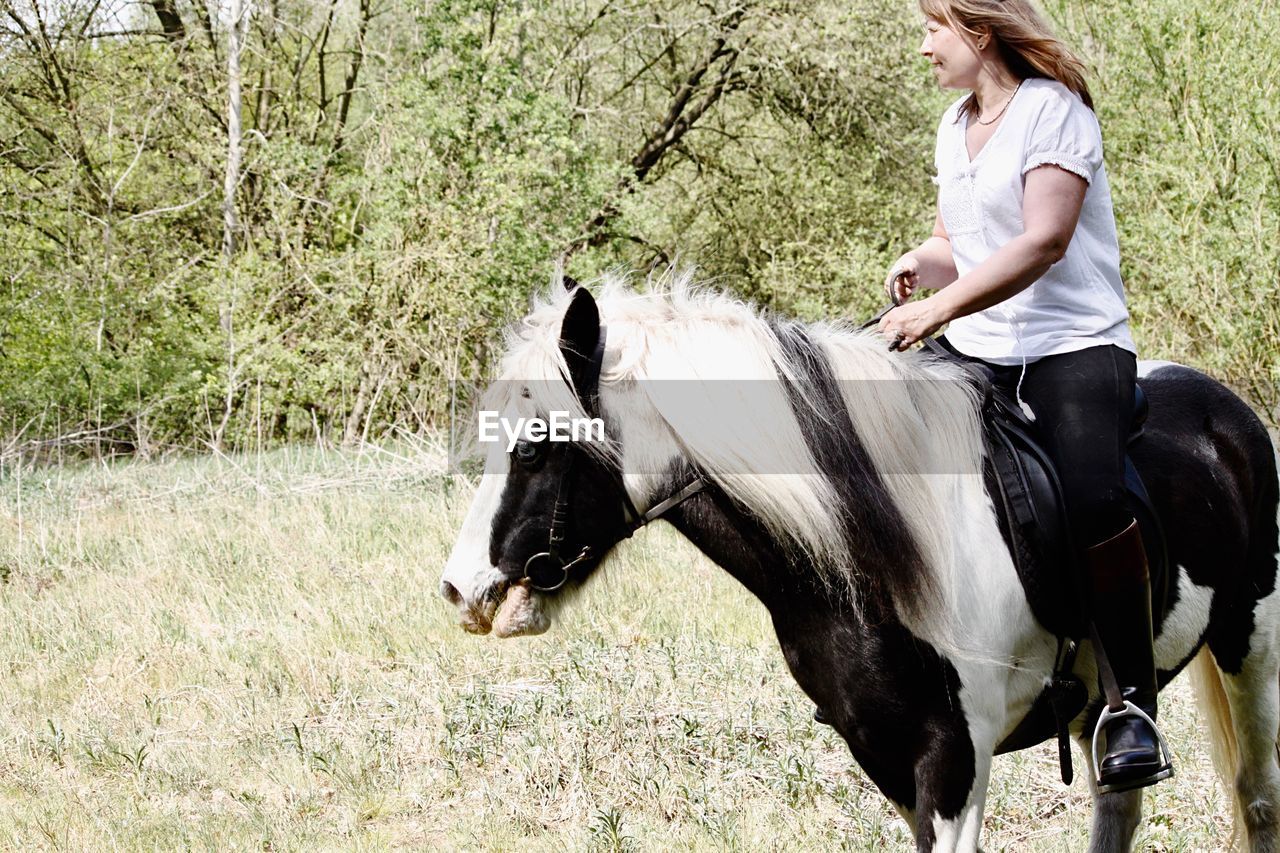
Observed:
{"x":1026,"y":43}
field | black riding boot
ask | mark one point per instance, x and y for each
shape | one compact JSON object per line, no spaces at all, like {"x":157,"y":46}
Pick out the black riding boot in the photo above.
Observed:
{"x":1121,"y":603}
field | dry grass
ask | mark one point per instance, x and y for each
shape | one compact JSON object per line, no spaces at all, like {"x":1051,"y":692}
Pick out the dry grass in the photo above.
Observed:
{"x":250,"y":653}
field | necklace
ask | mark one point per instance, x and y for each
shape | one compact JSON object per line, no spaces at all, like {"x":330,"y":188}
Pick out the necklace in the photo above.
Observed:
{"x":979,"y":120}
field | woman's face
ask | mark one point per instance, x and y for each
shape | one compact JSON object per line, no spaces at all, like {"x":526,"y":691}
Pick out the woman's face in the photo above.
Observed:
{"x":954,"y":57}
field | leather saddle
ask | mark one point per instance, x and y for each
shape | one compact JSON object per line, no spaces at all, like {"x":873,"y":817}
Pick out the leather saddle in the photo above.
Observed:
{"x":1024,"y":484}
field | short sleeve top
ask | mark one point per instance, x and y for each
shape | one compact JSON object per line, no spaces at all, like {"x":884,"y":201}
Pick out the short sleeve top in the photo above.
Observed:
{"x":1080,"y":301}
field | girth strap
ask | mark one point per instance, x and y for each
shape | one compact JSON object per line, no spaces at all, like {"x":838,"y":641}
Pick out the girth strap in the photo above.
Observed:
{"x":1067,"y":697}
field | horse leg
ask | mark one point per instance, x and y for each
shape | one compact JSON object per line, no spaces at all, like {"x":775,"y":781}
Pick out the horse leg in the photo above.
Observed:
{"x":1253,"y":697}
{"x":944,"y":825}
{"x":1116,"y":815}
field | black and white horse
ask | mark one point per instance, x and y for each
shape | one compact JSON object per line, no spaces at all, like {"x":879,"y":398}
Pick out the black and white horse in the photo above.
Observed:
{"x":844,"y":488}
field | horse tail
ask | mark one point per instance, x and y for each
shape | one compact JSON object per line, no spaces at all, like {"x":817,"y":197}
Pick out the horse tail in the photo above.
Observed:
{"x":1215,"y":712}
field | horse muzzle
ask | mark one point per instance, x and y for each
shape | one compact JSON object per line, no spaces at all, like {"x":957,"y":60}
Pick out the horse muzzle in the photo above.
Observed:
{"x":507,"y":609}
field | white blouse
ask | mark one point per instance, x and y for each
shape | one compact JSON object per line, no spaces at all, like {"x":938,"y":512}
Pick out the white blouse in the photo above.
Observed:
{"x":1079,"y":302}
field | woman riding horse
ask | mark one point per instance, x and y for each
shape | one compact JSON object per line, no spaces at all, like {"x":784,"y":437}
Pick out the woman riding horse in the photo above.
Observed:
{"x":1026,"y":265}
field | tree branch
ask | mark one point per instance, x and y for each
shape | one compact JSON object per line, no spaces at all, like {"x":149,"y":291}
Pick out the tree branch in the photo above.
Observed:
{"x":170,"y":20}
{"x":681,"y":115}
{"x":353,"y":73}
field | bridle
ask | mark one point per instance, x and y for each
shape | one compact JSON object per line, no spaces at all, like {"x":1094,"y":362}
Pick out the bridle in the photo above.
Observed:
{"x":548,"y":571}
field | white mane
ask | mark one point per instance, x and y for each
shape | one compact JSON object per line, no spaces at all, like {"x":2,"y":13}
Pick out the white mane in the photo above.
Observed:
{"x":670,"y":347}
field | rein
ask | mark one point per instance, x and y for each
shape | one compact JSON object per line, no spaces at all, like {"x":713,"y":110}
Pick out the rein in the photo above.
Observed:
{"x":548,"y":571}
{"x":894,"y":302}
{"x":874,"y":321}
{"x":928,"y":342}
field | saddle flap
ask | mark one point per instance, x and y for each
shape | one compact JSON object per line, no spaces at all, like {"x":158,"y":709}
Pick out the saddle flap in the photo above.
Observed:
{"x":1029,"y":503}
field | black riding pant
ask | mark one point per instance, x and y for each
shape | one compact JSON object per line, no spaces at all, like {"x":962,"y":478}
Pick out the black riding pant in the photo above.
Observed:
{"x":1083,"y":403}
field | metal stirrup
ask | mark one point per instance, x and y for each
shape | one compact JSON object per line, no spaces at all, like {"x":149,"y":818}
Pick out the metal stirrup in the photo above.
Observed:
{"x":1130,"y":710}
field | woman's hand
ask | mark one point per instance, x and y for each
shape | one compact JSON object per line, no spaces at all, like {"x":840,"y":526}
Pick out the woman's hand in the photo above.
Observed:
{"x":907,"y":324}
{"x":903,"y":279}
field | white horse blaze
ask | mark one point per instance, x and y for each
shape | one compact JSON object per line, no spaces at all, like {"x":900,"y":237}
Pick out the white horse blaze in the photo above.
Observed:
{"x":470,"y":573}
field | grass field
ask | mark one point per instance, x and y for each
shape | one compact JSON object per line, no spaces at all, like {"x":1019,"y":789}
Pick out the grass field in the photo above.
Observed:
{"x":250,"y":653}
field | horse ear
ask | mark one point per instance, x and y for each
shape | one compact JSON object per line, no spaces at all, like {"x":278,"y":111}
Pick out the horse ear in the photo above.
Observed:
{"x":568,"y":282}
{"x":579,"y":335}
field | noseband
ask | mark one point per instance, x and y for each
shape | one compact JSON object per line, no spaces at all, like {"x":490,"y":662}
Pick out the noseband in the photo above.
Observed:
{"x":548,"y":571}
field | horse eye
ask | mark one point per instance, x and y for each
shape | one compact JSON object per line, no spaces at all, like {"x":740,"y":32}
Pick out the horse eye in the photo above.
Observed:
{"x":528,"y":452}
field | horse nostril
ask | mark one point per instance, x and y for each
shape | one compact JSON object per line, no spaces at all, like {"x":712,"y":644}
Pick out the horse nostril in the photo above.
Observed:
{"x":450,"y":593}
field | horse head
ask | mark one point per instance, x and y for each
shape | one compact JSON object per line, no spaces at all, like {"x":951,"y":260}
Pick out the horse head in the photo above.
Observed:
{"x":697,"y":390}
{"x":550,"y":504}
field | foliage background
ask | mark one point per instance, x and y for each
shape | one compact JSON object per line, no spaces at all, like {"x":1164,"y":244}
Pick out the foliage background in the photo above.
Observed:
{"x":412,"y":172}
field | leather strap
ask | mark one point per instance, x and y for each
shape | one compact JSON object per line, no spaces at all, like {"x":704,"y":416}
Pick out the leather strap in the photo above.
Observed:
{"x":678,"y":498}
{"x":1106,"y":675}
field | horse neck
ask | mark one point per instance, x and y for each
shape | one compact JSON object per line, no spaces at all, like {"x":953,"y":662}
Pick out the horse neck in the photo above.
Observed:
{"x":829,"y":646}
{"x":819,"y":626}
{"x":751,"y":556}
